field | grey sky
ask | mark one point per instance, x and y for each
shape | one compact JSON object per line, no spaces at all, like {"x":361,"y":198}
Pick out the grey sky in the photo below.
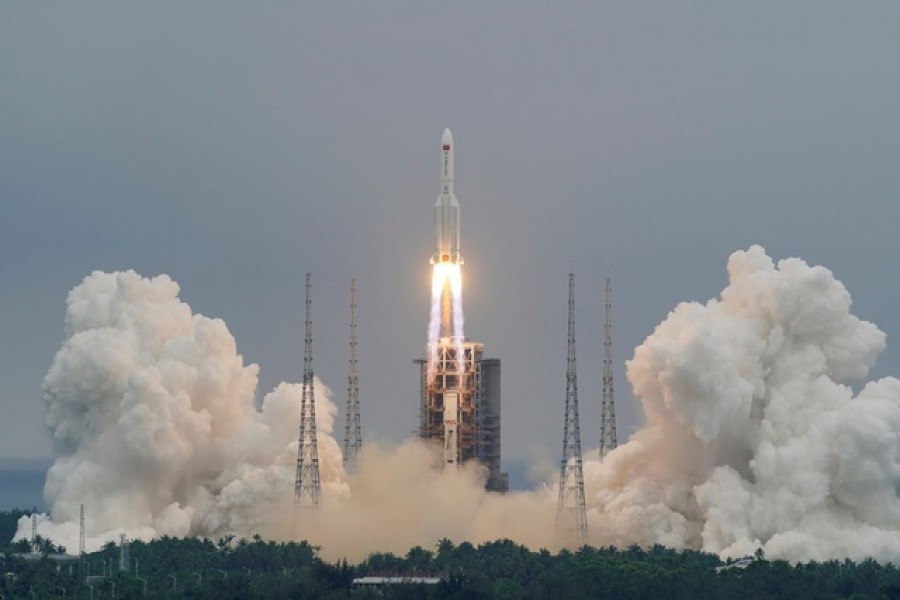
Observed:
{"x":235,"y":146}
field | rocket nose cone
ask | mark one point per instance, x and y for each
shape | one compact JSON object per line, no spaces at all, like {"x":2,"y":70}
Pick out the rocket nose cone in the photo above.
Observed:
{"x":447,"y":138}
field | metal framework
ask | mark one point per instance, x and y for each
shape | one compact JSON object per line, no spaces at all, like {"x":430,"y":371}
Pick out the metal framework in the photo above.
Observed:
{"x":353,"y":427}
{"x":307,"y":484}
{"x":571,"y":520}
{"x":457,"y":391}
{"x":476,"y":428}
{"x":608,"y":440}
{"x":81,"y":540}
{"x":81,"y":531}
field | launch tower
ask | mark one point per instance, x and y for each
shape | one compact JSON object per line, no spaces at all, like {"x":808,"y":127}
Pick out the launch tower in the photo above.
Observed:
{"x":475,"y":432}
{"x":571,"y":520}
{"x":307,"y":484}
{"x":608,"y":439}
{"x":353,"y":428}
{"x":459,"y":387}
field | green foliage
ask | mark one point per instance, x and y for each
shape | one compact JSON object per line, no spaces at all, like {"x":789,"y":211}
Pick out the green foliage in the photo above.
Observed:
{"x":238,"y":568}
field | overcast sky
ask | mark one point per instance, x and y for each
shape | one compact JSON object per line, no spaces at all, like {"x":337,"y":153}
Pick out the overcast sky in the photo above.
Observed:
{"x":236,"y":146}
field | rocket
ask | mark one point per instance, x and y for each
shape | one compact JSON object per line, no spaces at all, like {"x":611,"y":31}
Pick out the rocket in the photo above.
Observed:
{"x":445,"y":329}
{"x":446,"y":210}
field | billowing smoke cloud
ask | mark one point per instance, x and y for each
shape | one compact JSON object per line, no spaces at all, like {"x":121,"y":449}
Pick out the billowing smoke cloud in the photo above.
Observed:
{"x":399,"y":499}
{"x":153,"y":420}
{"x":156,"y":432}
{"x":753,"y":437}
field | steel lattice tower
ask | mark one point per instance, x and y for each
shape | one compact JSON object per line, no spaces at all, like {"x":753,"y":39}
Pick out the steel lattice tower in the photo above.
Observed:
{"x":81,"y":539}
{"x":608,"y":440}
{"x":81,"y":532}
{"x":571,"y":520}
{"x":353,"y":428}
{"x":307,"y":483}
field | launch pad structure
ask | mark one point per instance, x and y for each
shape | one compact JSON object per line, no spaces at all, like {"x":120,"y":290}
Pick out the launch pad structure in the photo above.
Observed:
{"x":461,"y":410}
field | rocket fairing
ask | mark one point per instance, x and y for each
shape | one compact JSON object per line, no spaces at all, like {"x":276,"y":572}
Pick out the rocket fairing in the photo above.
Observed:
{"x":446,"y":210}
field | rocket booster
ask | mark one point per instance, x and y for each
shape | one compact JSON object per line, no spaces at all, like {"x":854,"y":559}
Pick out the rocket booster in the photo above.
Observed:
{"x":446,"y":210}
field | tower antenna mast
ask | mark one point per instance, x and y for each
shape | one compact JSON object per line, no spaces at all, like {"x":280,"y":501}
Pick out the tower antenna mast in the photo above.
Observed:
{"x":571,"y":520}
{"x":307,"y":484}
{"x":81,"y":532}
{"x":608,"y":440}
{"x":353,"y":428}
{"x":81,"y":535}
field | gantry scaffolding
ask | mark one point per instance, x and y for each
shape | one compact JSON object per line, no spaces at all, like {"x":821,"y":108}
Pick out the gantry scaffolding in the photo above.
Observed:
{"x":461,"y":410}
{"x":571,"y":520}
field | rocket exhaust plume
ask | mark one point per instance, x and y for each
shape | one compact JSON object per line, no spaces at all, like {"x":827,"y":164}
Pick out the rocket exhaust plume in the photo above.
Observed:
{"x":446,"y":320}
{"x":154,"y":423}
{"x":156,"y":433}
{"x":752,"y":437}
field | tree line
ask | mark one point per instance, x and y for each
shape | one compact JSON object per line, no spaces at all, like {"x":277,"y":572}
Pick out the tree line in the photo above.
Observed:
{"x":239,"y":568}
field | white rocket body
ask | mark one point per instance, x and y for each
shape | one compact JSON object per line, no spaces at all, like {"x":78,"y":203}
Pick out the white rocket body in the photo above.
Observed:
{"x":446,"y":209}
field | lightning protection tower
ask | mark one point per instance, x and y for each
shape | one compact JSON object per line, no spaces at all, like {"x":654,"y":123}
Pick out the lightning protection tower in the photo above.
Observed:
{"x":81,"y":538}
{"x":307,"y":484}
{"x":571,"y":521}
{"x":81,"y":532}
{"x":353,"y":428}
{"x":608,"y":439}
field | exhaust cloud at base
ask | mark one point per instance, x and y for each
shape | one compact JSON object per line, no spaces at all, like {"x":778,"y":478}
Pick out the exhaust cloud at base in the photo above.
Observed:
{"x":753,"y":437}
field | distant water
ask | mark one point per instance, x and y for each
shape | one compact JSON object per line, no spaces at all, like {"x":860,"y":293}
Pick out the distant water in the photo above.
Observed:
{"x":22,"y":482}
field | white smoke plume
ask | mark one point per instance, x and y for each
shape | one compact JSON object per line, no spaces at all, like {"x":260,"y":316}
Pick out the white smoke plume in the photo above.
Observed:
{"x":399,"y":500}
{"x":753,"y":437}
{"x":155,"y":431}
{"x":154,"y":425}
